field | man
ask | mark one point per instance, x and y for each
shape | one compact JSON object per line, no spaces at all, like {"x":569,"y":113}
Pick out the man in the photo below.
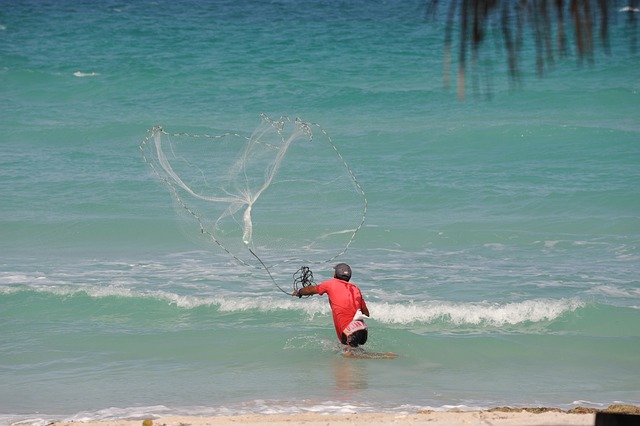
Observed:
{"x":347,"y":305}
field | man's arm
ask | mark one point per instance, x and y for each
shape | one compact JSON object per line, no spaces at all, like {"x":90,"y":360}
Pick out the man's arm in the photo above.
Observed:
{"x":306,"y":291}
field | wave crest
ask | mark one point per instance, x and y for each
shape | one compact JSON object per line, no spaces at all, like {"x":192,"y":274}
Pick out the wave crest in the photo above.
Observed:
{"x":457,"y":314}
{"x":476,"y":313}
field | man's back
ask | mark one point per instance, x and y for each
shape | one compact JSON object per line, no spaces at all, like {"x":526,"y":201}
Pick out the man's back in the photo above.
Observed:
{"x":345,"y":299}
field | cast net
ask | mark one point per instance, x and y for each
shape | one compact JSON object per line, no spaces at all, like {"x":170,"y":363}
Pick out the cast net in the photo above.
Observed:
{"x":283,"y":195}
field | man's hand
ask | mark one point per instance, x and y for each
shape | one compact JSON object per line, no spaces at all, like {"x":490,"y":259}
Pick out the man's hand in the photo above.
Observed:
{"x":308,"y":291}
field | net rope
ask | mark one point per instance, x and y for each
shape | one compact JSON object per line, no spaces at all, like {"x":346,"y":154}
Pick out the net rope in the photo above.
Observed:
{"x":221,"y":184}
{"x":303,"y":277}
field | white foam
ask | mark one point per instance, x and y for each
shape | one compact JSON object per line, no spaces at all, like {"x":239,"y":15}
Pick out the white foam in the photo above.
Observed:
{"x":474,"y":313}
{"x":15,"y":278}
{"x":258,"y":406}
{"x":398,"y":312}
{"x":495,"y":246}
{"x":85,"y":74}
{"x":15,"y":420}
{"x":225,"y":303}
{"x":614,"y":291}
{"x":115,"y":413}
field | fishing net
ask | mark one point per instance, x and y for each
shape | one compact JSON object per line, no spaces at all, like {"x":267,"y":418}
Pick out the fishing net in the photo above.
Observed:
{"x":282,"y":195}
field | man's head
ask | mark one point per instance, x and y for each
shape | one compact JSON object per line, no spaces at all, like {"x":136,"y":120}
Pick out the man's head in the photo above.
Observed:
{"x":343,"y":271}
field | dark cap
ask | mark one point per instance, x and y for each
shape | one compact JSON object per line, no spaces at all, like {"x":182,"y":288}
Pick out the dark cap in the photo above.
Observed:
{"x":343,"y":271}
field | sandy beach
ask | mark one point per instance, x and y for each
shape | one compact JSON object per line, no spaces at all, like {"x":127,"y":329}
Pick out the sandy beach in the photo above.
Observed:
{"x":418,"y":419}
{"x":499,"y":416}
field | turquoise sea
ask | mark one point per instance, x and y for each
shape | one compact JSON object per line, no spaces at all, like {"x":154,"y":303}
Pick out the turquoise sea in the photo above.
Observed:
{"x":500,"y":254}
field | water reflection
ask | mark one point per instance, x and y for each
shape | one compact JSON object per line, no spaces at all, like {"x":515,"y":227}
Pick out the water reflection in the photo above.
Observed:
{"x":349,"y":374}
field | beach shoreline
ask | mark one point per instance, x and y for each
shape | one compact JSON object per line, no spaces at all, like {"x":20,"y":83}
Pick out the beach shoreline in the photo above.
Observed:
{"x":503,"y":416}
{"x":433,"y":418}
